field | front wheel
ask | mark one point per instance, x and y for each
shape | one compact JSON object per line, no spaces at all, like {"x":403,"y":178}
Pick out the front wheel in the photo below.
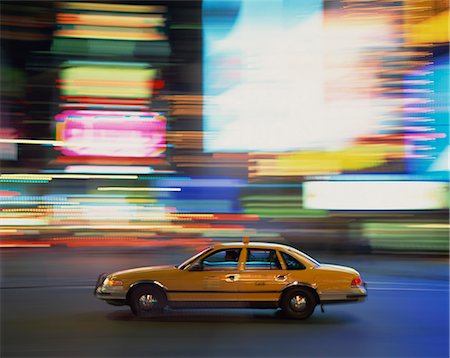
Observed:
{"x":298,"y":303}
{"x":147,"y":301}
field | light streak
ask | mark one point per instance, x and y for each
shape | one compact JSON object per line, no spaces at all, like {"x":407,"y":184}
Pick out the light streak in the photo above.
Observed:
{"x":120,"y":227}
{"x":32,"y":141}
{"x":47,"y":177}
{"x":119,"y":34}
{"x":136,"y":189}
{"x":111,"y":20}
{"x":108,"y":169}
{"x":24,"y":245}
{"x":111,"y":7}
{"x":38,"y":202}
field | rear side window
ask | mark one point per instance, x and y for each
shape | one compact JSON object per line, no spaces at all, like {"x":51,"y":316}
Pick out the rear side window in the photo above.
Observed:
{"x":261,"y":259}
{"x":292,"y":263}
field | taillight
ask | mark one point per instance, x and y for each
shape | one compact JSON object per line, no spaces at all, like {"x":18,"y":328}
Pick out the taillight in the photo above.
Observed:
{"x":357,"y":282}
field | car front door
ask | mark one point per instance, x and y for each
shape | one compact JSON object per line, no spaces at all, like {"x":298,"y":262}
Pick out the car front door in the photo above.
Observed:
{"x":210,"y":280}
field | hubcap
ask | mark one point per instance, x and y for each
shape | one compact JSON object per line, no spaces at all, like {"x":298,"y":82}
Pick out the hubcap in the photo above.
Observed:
{"x":147,"y":302}
{"x":298,"y":303}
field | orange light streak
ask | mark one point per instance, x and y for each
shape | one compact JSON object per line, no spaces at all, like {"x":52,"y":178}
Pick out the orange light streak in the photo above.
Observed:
{"x":112,"y":35}
{"x":122,"y":8}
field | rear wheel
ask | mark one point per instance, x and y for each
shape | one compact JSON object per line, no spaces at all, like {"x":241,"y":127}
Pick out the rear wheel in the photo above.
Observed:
{"x":298,"y":303}
{"x":147,"y":301}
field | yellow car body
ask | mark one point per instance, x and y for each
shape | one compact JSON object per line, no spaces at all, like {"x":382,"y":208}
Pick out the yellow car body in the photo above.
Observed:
{"x":242,"y":274}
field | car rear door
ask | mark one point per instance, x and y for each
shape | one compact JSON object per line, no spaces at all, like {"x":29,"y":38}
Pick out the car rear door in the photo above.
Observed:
{"x":262,"y":277}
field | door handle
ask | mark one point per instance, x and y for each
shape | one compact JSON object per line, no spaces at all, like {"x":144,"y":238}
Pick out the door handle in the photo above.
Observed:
{"x":232,"y":278}
{"x":281,"y":278}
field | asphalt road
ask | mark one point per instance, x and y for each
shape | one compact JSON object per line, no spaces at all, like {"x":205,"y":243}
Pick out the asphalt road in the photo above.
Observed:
{"x":48,"y":310}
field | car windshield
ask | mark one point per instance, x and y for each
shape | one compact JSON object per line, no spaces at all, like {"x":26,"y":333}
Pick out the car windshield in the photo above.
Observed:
{"x":302,"y":254}
{"x":193,"y":258}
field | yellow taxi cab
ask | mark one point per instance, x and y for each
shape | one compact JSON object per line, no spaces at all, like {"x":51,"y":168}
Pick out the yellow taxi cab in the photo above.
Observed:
{"x":235,"y":275}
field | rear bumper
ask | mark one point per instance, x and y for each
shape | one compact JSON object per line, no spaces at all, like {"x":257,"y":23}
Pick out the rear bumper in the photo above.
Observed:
{"x":352,"y":295}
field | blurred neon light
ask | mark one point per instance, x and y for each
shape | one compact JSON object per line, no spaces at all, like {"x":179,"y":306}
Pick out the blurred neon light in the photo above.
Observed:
{"x":142,"y":200}
{"x":356,"y":157}
{"x":23,"y":181}
{"x":393,"y":195}
{"x":119,"y":227}
{"x":111,"y":133}
{"x":111,"y":20}
{"x":111,"y":7}
{"x":104,"y":100}
{"x":136,"y":189}
{"x":116,"y":34}
{"x":92,"y":176}
{"x":430,"y":226}
{"x":432,"y":29}
{"x":37,"y":202}
{"x":32,"y":141}
{"x":48,"y":177}
{"x":23,"y":222}
{"x":75,"y":63}
{"x":104,"y":106}
{"x":108,"y":169}
{"x":107,"y":79}
{"x":8,"y":193}
{"x":24,"y":245}
{"x":401,"y":235}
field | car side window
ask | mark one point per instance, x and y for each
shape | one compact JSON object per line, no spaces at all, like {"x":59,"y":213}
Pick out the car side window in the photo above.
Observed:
{"x":262,"y":259}
{"x":222,"y":260}
{"x":292,"y":263}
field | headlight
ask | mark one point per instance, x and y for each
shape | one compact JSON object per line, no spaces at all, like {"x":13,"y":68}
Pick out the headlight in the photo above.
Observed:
{"x":112,"y":282}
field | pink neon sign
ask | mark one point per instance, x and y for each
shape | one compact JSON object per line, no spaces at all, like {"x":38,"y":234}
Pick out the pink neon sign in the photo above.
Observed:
{"x":111,"y":133}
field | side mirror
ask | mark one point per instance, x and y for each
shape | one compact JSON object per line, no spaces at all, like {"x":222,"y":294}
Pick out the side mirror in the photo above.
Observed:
{"x":198,"y":266}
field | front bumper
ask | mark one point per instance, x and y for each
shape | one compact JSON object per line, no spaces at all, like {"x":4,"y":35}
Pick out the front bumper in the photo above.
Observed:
{"x":108,"y":293}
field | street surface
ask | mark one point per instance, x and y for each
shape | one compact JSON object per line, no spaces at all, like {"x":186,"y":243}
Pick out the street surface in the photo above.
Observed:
{"x":48,"y":310}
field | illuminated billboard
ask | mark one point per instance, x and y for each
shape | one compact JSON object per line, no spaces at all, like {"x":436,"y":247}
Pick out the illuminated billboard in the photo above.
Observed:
{"x":292,"y":76}
{"x":427,"y":117}
{"x":111,"y":133}
{"x":375,"y":195}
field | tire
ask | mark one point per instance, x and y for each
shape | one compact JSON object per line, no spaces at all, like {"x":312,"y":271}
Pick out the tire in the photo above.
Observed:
{"x":298,"y":303}
{"x":147,"y":301}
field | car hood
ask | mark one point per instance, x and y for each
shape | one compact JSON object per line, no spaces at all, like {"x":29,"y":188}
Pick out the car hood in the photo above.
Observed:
{"x":143,"y":270}
{"x":344,"y":269}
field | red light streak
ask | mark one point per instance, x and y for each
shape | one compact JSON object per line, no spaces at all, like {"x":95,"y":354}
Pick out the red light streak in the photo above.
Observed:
{"x":9,"y":193}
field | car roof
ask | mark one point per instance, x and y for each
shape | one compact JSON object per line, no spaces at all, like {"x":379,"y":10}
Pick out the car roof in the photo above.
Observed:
{"x":267,"y":245}
{"x":252,"y":244}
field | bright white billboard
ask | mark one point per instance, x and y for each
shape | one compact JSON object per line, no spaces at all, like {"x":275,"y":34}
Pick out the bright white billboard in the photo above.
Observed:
{"x":375,"y":195}
{"x":285,"y":75}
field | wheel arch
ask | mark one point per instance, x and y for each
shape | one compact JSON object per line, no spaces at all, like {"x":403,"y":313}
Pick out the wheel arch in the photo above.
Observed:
{"x":296,"y":285}
{"x":153,"y":283}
